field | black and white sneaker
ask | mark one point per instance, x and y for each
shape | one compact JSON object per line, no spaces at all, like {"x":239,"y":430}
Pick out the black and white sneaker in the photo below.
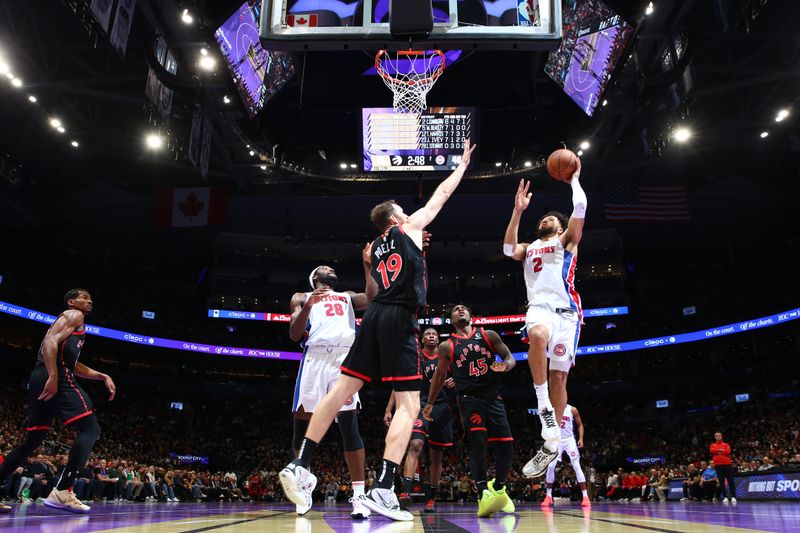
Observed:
{"x":538,"y":465}
{"x":298,"y":485}
{"x":384,"y":501}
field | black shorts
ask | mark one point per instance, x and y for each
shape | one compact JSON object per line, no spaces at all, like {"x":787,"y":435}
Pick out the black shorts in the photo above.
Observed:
{"x":70,"y":403}
{"x":481,"y":414}
{"x":386,"y":348}
{"x":438,"y":433}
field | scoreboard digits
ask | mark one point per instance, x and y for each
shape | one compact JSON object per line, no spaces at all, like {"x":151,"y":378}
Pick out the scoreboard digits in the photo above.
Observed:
{"x":431,"y":141}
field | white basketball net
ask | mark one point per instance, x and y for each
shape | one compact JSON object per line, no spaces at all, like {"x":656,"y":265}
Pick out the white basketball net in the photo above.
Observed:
{"x":410,"y":74}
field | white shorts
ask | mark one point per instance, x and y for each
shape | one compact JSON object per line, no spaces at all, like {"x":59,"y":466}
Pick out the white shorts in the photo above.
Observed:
{"x":570,"y":447}
{"x":319,"y":370}
{"x":563,"y":330}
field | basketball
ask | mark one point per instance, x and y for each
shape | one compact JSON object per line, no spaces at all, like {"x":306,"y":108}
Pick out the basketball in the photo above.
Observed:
{"x":562,"y":164}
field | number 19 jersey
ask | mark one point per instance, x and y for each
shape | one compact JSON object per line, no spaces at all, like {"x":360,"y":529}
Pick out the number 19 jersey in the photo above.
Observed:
{"x":398,"y":267}
{"x":470,"y":359}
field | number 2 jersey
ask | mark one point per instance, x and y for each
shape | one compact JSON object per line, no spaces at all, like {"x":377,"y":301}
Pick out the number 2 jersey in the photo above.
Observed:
{"x":470,"y":359}
{"x":398,"y":267}
{"x":550,"y":275}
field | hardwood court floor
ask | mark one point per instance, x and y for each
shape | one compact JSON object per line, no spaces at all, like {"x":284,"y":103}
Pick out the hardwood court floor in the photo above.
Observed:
{"x":451,"y":518}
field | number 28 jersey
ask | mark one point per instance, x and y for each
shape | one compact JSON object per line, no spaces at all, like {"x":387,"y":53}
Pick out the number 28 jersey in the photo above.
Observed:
{"x":331,"y":321}
{"x":398,"y":267}
{"x":470,"y":359}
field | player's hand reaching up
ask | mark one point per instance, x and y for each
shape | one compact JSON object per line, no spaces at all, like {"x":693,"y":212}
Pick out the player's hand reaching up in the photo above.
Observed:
{"x":523,"y":198}
{"x":577,"y":174}
{"x":366,"y":254}
{"x":467,"y":155}
{"x":499,"y":366}
{"x":316,"y":296}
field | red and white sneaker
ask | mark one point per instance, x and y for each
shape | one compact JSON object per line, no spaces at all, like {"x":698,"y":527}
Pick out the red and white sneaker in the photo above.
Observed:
{"x":547,"y":502}
{"x":586,"y":502}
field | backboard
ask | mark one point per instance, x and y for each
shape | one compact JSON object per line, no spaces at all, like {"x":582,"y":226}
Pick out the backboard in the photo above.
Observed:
{"x":364,"y":25}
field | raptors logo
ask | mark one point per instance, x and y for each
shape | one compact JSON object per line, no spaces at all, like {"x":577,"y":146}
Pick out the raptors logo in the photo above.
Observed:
{"x":349,"y":401}
{"x":417,"y":423}
{"x":560,"y":350}
{"x":476,"y":419}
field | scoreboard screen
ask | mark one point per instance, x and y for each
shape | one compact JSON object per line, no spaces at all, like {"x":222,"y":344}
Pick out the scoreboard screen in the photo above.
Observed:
{"x":431,"y":141}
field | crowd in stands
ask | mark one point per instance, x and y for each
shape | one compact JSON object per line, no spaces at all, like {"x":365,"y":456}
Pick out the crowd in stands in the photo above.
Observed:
{"x":245,"y":439}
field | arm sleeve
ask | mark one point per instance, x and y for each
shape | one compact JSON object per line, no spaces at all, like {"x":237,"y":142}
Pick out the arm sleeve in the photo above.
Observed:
{"x":578,"y":199}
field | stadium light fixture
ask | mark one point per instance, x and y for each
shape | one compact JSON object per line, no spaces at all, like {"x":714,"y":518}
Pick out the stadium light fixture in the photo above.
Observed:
{"x":781,"y":116}
{"x":207,"y":63}
{"x":649,"y":9}
{"x":585,"y":145}
{"x":764,"y":134}
{"x":528,"y":164}
{"x":343,"y":165}
{"x":16,"y":82}
{"x":186,"y":17}
{"x":682,"y":135}
{"x":75,"y":144}
{"x":154,"y":141}
{"x":31,"y":99}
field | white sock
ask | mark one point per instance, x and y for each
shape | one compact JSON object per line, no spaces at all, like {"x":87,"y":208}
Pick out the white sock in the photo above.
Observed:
{"x":543,"y":396}
{"x":550,"y":491}
{"x":585,"y":493}
{"x":358,"y":489}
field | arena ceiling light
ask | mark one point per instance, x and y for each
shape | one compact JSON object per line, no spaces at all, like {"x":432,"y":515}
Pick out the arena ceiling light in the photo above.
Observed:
{"x":649,"y":9}
{"x":61,"y":129}
{"x":226,"y":100}
{"x":343,"y":165}
{"x":16,"y":82}
{"x":263,"y":167}
{"x":32,"y":99}
{"x":498,"y":164}
{"x":764,"y":134}
{"x":252,"y":153}
{"x":605,"y":103}
{"x":154,"y":141}
{"x":186,"y":17}
{"x":56,"y":123}
{"x":682,"y":135}
{"x":585,"y":145}
{"x":75,"y":144}
{"x":580,"y":153}
{"x":4,"y":68}
{"x":781,"y":116}
{"x":528,"y":164}
{"x":207,"y":62}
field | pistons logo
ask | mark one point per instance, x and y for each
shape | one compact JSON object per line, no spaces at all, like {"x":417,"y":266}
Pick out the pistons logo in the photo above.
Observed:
{"x":476,"y":419}
{"x":573,"y":454}
{"x":349,"y":401}
{"x":417,"y":423}
{"x":560,"y":350}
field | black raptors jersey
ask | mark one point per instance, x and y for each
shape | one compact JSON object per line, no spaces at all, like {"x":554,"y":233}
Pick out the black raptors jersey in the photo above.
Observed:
{"x":68,"y":351}
{"x":428,"y":364}
{"x":471,"y":358}
{"x":398,"y":267}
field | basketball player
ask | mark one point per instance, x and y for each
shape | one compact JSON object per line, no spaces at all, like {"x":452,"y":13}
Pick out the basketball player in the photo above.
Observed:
{"x":328,"y":321}
{"x":554,"y":313}
{"x":53,"y":391}
{"x":568,"y":445}
{"x":386,"y":347}
{"x":438,"y":433}
{"x":469,"y":353}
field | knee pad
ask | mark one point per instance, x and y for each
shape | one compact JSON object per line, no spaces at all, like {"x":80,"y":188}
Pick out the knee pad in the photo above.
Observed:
{"x":348,"y":427}
{"x":298,"y":433}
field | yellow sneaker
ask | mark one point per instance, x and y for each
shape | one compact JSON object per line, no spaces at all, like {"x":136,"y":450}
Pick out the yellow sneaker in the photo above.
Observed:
{"x":490,"y":503}
{"x":509,"y":506}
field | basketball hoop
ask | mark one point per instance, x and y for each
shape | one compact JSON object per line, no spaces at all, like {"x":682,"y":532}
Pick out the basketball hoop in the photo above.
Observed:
{"x":410,"y":74}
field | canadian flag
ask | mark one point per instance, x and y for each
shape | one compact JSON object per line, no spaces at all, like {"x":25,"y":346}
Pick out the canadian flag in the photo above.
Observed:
{"x":301,"y":21}
{"x":197,"y":206}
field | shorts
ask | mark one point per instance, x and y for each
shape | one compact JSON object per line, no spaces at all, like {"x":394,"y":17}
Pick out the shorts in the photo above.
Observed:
{"x":563,"y":331}
{"x":70,"y":403}
{"x":319,"y":370}
{"x":438,"y":433}
{"x":386,"y":348}
{"x":481,"y":414}
{"x":570,"y":447}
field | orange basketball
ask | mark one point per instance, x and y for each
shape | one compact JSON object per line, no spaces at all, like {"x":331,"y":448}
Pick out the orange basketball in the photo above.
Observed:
{"x":562,"y":164}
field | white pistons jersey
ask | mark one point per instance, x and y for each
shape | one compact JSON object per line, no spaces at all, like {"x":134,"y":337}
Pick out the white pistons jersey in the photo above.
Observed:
{"x":567,"y":431}
{"x":550,"y":276}
{"x":332,"y":321}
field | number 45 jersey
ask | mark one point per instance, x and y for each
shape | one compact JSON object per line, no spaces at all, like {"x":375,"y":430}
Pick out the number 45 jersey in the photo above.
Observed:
{"x":470,"y":359}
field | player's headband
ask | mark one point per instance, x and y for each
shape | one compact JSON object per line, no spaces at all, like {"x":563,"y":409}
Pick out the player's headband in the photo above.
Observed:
{"x":311,"y":277}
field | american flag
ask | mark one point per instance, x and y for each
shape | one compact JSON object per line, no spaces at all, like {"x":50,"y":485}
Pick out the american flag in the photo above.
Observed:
{"x":624,"y":201}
